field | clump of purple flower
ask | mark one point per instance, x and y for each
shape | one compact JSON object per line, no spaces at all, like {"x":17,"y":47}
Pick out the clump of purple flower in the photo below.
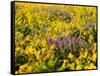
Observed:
{"x":90,"y":24}
{"x":66,"y":42}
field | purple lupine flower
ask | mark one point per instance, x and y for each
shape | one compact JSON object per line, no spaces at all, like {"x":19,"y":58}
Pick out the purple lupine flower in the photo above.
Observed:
{"x":89,"y":24}
{"x":69,"y":45}
{"x":91,"y":47}
{"x":42,"y":55}
{"x":73,"y":58}
{"x":58,"y":39}
{"x":74,"y":40}
{"x":80,"y":41}
{"x":59,"y":42}
{"x":61,"y":45}
{"x":49,"y":41}
{"x":73,"y":51}
{"x":64,"y":43}
{"x":66,"y":37}
{"x":56,"y":43}
{"x":52,"y":41}
{"x":69,"y":36}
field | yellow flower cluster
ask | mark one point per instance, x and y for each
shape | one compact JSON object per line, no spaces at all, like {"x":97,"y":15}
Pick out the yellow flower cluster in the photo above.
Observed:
{"x":51,"y":37}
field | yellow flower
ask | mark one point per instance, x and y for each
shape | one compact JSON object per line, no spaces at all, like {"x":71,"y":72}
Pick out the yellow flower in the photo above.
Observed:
{"x":85,"y":33}
{"x":43,"y":43}
{"x":64,"y":62}
{"x":29,"y":50}
{"x":85,"y":55}
{"x":86,"y":52}
{"x":78,"y":61}
{"x":22,"y":42}
{"x":70,"y":55}
{"x":63,"y":65}
{"x":86,"y":67}
{"x":43,"y":50}
{"x":94,"y":48}
{"x":79,"y":67}
{"x":47,"y":57}
{"x":93,"y":58}
{"x":90,"y":41}
{"x":18,"y":33}
{"x":91,"y":37}
{"x":30,"y":68}
{"x":23,"y":68}
{"x":28,"y":37}
{"x":92,"y":66}
{"x":95,"y":27}
{"x":72,"y":66}
{"x":52,"y":47}
{"x":18,"y":49}
{"x":16,"y":72}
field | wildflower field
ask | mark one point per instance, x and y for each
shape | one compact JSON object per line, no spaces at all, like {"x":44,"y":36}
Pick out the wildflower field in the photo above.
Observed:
{"x":53,"y":37}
